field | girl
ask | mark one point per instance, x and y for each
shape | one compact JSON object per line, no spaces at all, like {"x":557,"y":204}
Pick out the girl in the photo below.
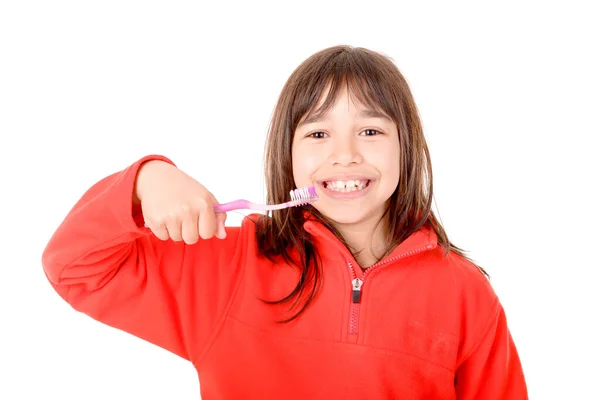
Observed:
{"x":359,"y":295}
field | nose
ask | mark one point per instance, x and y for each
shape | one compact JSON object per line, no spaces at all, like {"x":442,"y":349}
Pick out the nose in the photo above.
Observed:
{"x":345,"y":152}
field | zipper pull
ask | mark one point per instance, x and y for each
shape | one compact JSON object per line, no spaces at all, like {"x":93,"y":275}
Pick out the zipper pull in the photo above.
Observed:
{"x":356,"y":285}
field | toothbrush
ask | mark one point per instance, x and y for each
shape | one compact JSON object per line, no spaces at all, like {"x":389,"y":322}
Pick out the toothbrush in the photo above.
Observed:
{"x":299,"y":197}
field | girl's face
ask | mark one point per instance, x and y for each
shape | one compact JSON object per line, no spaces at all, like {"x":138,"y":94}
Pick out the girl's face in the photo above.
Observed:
{"x":352,"y":155}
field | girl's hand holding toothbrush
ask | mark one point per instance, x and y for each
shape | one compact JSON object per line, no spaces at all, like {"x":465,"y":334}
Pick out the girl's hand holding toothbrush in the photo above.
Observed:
{"x":176,"y":206}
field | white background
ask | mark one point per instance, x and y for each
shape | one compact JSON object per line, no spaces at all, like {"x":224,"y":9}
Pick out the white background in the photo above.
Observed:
{"x":509,"y":96}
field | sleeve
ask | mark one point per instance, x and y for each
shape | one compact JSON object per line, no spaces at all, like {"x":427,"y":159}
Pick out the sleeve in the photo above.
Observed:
{"x":103,"y":262}
{"x":492,"y":369}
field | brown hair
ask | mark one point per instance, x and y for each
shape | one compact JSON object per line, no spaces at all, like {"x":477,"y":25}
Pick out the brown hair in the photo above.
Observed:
{"x":375,"y":81}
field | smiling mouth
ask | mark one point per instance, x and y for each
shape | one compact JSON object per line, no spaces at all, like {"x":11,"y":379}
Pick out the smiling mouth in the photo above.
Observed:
{"x":349,"y":186}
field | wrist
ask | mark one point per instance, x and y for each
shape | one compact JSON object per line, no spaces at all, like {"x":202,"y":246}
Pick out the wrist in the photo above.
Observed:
{"x":146,"y":170}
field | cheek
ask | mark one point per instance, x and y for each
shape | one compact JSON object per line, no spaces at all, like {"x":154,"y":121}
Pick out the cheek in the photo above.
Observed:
{"x":387,"y":161}
{"x":393,"y":169}
{"x":305,"y":163}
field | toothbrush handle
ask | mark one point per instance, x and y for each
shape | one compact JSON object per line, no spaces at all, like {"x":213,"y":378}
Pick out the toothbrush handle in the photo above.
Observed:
{"x":232,"y":205}
{"x":248,"y":205}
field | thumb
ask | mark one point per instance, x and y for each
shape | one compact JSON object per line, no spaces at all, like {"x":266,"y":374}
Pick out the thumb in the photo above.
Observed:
{"x":221,"y":233}
{"x":221,"y":217}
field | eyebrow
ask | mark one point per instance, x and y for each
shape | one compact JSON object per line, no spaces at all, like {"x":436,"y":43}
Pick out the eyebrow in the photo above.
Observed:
{"x":366,"y":113}
{"x":370,"y":113}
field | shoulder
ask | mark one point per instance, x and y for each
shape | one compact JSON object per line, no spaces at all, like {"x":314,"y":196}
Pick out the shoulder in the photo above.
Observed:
{"x":470,"y":278}
{"x":250,"y":225}
{"x":470,"y":291}
{"x":463,"y":277}
{"x":248,"y":233}
{"x":462,"y":287}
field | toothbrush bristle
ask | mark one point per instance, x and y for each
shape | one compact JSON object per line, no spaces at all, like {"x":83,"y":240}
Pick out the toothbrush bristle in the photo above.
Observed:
{"x":306,"y":194}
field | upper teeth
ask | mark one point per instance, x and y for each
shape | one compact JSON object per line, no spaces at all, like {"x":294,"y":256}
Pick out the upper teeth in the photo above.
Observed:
{"x":347,"y":185}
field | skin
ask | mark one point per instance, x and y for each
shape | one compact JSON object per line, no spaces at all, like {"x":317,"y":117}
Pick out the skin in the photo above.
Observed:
{"x":348,"y":142}
{"x":176,"y":206}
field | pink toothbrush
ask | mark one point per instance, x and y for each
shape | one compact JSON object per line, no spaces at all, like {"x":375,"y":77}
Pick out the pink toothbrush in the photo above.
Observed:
{"x":299,"y":197}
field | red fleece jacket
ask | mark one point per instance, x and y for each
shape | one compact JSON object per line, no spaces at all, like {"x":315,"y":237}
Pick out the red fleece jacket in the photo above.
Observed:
{"x":422,"y":326}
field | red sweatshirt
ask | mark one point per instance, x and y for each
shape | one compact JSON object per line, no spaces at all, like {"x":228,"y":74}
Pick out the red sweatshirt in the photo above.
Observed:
{"x":422,"y":326}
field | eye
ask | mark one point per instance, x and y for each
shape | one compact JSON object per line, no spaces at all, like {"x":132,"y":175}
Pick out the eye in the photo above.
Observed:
{"x":371,"y":132}
{"x":317,"y":135}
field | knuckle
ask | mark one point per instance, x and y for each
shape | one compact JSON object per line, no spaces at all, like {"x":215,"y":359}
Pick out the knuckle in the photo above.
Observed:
{"x":155,"y":222}
{"x":203,"y":204}
{"x":173,"y":216}
{"x":185,"y":209}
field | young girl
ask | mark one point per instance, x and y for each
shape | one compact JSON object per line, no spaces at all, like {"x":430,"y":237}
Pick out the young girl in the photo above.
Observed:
{"x":358,"y":295}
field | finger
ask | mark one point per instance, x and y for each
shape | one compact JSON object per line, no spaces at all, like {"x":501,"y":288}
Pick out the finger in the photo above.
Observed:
{"x":160,"y":231}
{"x":207,"y":222}
{"x":221,"y":232}
{"x":189,"y":227}
{"x":224,"y":218}
{"x":173,"y":224}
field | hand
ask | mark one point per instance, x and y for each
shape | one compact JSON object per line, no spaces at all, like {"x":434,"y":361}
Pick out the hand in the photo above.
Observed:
{"x":176,"y":206}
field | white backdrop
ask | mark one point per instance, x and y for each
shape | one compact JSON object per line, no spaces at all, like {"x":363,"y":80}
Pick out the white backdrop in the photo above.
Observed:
{"x":509,"y":100}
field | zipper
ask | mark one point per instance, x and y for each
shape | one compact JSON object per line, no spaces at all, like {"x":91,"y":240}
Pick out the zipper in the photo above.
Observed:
{"x":357,"y":285}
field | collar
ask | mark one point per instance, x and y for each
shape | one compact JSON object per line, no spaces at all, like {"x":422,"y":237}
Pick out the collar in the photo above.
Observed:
{"x":423,"y":239}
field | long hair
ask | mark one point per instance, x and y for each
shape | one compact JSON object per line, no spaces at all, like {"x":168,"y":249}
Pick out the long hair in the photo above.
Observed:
{"x":375,"y":81}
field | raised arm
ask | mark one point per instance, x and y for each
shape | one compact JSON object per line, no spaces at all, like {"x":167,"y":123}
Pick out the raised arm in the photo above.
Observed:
{"x":149,"y":282}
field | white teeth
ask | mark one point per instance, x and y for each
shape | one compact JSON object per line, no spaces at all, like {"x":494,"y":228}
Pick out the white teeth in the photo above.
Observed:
{"x":347,"y":186}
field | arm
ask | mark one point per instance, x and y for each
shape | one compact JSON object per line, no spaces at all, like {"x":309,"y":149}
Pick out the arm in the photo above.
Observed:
{"x":104,"y":263}
{"x":492,"y":368}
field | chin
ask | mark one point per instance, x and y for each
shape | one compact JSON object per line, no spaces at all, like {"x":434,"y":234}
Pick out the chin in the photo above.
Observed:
{"x":349,"y":215}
